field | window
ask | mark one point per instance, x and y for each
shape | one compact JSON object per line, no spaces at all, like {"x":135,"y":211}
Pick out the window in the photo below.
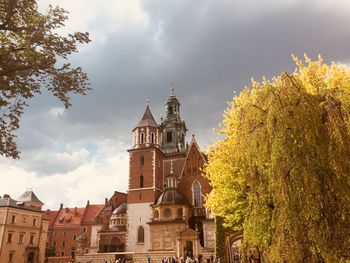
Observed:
{"x":11,"y":256}
{"x":54,"y":244}
{"x":13,"y":219}
{"x":65,"y":234}
{"x":170,"y":110}
{"x":9,"y":237}
{"x":152,"y":137}
{"x":140,"y":235}
{"x":197,"y":199}
{"x":84,"y":229}
{"x":63,"y":243}
{"x":62,"y":254}
{"x":21,"y":238}
{"x":34,"y":221}
{"x":74,"y":237}
{"x":167,"y":212}
{"x":169,"y":136}
{"x":24,"y":219}
{"x":142,"y":136}
{"x":141,"y":181}
{"x":56,"y":234}
{"x":142,"y":160}
{"x":179,"y":213}
{"x":31,"y":239}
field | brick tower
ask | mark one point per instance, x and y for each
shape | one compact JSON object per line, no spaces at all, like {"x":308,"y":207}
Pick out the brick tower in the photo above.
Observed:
{"x":145,"y":180}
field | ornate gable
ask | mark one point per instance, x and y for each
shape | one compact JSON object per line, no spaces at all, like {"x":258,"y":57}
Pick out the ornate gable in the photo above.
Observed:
{"x":187,"y":233}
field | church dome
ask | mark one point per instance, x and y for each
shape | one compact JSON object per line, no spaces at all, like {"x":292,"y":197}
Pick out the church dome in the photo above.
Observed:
{"x":172,"y":197}
{"x":121,"y":209}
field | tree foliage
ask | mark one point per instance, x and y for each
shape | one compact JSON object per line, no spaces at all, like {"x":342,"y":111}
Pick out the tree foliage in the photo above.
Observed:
{"x":33,"y":56}
{"x":281,"y":175}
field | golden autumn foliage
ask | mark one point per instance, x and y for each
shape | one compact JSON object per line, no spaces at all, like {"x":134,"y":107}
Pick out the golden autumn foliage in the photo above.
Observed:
{"x":282,"y":173}
{"x":33,"y":56}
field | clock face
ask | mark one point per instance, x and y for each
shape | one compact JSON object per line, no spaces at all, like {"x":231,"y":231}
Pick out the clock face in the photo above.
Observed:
{"x":167,"y":212}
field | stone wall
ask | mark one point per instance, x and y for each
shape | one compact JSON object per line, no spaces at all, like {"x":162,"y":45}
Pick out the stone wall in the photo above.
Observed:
{"x":133,"y":257}
{"x":95,"y":258}
{"x":138,"y":215}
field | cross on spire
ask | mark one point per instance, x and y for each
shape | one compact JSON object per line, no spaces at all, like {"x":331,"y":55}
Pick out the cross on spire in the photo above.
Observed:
{"x":172,"y":89}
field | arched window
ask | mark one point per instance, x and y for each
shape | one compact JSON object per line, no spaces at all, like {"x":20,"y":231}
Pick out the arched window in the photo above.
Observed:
{"x":140,"y":235}
{"x":197,"y":198}
{"x":142,"y":137}
{"x":142,"y":160}
{"x":141,"y":181}
{"x":152,"y":137}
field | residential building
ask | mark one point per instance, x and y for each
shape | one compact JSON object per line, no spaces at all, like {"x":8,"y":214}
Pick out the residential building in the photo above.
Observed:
{"x":23,"y":229}
{"x":69,"y":228}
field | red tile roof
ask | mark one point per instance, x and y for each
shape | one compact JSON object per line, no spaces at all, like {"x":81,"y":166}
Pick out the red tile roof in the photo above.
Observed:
{"x":91,"y":212}
{"x":70,"y":216}
{"x":50,"y":215}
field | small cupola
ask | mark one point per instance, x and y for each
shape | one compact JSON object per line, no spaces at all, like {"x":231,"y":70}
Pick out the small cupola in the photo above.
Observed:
{"x":172,"y":126}
{"x":172,"y":106}
{"x":171,"y":179}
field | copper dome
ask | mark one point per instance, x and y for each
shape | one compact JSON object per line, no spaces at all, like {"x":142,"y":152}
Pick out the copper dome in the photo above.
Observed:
{"x":172,"y":196}
{"x":121,"y":209}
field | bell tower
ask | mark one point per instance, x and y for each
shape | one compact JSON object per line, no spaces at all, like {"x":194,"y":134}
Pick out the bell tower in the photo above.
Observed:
{"x":145,"y":180}
{"x":172,"y":127}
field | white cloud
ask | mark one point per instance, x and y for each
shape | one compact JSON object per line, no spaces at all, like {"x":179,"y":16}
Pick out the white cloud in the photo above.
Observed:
{"x":49,"y":163}
{"x":93,"y":178}
{"x":100,"y":17}
{"x":57,"y":112}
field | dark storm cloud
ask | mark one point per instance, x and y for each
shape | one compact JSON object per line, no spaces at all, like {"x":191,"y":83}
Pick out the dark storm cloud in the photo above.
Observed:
{"x":207,"y":49}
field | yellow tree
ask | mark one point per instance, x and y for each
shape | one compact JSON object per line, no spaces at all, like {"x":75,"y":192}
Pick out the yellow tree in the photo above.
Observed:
{"x":33,"y":56}
{"x":282,"y":173}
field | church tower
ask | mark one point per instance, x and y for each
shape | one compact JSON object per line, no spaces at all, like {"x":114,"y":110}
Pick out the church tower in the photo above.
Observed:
{"x":172,"y":127}
{"x":145,"y":180}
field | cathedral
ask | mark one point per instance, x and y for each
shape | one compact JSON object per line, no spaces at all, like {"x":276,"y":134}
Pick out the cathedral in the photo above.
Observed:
{"x":165,"y":201}
{"x":163,"y":213}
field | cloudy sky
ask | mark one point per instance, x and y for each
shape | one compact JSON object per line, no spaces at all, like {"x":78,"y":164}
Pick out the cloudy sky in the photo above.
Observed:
{"x":207,"y":49}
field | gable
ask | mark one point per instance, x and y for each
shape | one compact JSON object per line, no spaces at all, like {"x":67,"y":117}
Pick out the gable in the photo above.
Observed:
{"x":194,"y":161}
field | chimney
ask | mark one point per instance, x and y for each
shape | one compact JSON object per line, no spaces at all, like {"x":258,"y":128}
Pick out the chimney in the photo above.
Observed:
{"x":6,"y":196}
{"x":75,"y":211}
{"x":61,"y":206}
{"x":87,"y":203}
{"x":106,"y":201}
